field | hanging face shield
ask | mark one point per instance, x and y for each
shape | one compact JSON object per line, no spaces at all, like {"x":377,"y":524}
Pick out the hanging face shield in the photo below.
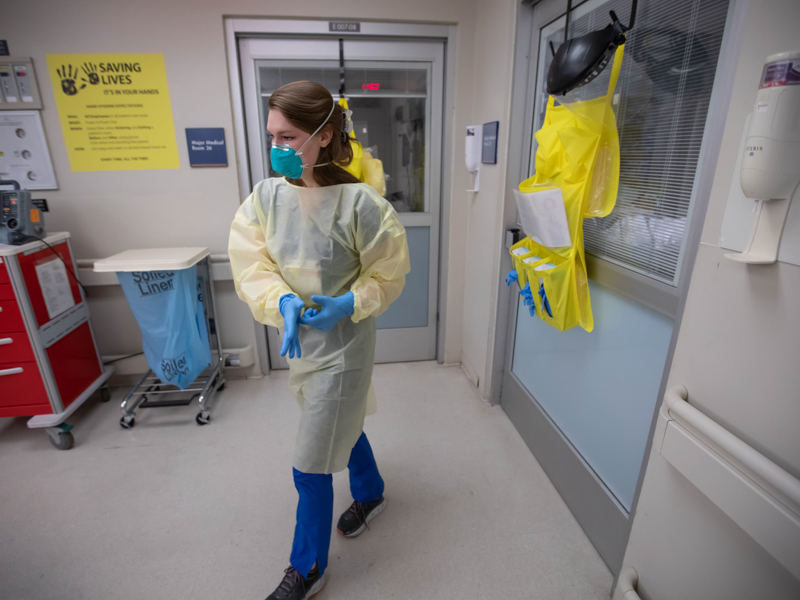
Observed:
{"x":580,"y":60}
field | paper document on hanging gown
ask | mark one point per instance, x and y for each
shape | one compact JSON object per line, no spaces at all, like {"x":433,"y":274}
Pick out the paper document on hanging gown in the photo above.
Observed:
{"x":544,"y":218}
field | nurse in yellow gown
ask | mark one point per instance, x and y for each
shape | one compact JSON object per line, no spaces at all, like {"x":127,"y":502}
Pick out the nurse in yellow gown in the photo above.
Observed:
{"x":321,"y":254}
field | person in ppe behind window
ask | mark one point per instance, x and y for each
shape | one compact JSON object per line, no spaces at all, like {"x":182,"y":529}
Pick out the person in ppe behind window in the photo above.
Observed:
{"x":321,"y":254}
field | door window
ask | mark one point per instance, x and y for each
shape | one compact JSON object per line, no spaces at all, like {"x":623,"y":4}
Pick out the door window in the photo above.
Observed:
{"x":395,"y":88}
{"x":391,"y":112}
{"x":600,"y":388}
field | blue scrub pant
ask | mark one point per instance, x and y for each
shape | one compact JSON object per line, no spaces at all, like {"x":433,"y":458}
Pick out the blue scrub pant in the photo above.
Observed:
{"x":312,"y":534}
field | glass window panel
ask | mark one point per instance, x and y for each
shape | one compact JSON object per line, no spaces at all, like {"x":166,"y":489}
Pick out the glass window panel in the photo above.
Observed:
{"x":391,"y":112}
{"x":359,"y":81}
{"x":599,"y":388}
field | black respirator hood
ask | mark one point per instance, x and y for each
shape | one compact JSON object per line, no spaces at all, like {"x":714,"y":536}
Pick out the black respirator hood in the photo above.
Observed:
{"x":579,"y":60}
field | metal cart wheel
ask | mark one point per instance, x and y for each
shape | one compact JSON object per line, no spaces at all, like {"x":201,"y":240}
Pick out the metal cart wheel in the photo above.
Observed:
{"x":63,"y":440}
{"x":203,"y":417}
{"x":127,"y":422}
{"x":105,"y":394}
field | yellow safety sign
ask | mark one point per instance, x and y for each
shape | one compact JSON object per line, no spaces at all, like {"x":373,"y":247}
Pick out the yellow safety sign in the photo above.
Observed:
{"x":115,"y":111}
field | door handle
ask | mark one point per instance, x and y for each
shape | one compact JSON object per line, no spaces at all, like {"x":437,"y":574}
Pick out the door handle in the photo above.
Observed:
{"x":6,"y":341}
{"x":512,"y":237}
{"x":14,"y":371}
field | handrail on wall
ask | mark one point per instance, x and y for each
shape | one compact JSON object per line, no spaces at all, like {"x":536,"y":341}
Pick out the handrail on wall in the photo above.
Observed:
{"x":676,"y":400}
{"x":628,"y":580}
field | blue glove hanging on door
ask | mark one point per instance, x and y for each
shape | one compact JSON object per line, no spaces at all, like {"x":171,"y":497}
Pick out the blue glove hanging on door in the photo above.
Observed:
{"x":291,"y":307}
{"x":527,"y":296}
{"x":331,"y":312}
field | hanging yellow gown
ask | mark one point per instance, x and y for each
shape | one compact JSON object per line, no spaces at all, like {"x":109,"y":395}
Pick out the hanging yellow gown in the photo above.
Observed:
{"x":578,"y":152}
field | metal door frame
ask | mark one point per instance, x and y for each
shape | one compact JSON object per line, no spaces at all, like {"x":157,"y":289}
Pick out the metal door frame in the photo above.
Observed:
{"x":603,"y":519}
{"x":236,"y":29}
{"x":398,"y":344}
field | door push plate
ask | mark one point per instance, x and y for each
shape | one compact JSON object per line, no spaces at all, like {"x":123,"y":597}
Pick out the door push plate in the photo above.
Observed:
{"x":512,"y":237}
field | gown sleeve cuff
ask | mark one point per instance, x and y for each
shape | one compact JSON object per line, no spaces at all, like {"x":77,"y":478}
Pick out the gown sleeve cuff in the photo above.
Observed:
{"x":359,"y":314}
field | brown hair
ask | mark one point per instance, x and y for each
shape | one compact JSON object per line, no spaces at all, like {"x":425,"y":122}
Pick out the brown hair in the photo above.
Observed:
{"x":305,"y":105}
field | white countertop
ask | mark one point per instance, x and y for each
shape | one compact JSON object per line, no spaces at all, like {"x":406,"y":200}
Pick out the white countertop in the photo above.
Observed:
{"x":152,"y":259}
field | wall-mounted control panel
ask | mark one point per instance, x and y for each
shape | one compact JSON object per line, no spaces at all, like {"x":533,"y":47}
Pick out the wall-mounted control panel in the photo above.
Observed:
{"x":18,"y":87}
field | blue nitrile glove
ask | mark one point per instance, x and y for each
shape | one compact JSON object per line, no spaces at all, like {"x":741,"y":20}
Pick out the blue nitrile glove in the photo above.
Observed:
{"x":291,"y":308}
{"x":545,"y":301}
{"x":331,"y":311}
{"x":528,"y":298}
{"x":512,"y":277}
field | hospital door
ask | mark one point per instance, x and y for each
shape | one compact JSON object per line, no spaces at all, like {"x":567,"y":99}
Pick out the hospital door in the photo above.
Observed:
{"x":394,"y":89}
{"x":584,"y":401}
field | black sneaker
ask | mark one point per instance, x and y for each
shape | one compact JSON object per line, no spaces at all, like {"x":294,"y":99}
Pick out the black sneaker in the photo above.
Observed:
{"x":354,"y":520}
{"x":296,"y":587}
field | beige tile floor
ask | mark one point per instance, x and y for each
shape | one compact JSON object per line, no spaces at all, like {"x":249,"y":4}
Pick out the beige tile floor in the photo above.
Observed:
{"x":170,"y":510}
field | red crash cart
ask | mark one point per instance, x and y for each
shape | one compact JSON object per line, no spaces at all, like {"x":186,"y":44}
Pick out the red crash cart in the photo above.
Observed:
{"x":49,"y":363}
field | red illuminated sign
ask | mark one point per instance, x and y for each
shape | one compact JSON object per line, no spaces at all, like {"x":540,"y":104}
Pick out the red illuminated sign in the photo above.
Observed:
{"x":371,"y":86}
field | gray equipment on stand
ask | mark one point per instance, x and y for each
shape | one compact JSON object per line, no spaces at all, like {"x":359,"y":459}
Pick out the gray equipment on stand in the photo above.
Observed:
{"x":22,"y":220}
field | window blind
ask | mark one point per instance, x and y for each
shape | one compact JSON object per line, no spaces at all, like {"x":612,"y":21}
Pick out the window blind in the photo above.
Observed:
{"x":662,"y":101}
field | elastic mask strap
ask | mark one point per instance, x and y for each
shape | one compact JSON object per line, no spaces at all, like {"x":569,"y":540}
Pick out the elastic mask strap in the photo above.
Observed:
{"x":318,"y":129}
{"x":615,"y":69}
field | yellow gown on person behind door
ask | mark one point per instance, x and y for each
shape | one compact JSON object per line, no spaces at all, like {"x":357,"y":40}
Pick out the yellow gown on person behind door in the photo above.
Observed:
{"x":364,"y":166}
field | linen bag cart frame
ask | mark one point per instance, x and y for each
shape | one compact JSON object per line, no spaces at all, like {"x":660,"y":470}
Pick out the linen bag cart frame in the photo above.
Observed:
{"x":212,"y":380}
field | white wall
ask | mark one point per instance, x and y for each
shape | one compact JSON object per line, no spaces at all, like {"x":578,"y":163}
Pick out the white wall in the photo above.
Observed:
{"x":491,"y":92}
{"x":745,"y":316}
{"x":108,"y":212}
{"x":737,"y":355}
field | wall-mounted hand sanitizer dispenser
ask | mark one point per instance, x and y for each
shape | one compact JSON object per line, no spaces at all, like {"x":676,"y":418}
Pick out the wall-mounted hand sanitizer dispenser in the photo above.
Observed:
{"x":770,"y":170}
{"x":474,"y":148}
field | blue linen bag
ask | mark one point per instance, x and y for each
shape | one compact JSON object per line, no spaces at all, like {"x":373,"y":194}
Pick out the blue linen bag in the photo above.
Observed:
{"x":168,"y":306}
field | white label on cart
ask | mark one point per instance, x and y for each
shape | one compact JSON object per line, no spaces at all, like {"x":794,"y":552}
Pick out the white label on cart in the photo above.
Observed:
{"x":520,"y":252}
{"x":531,"y":259}
{"x":55,"y":287}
